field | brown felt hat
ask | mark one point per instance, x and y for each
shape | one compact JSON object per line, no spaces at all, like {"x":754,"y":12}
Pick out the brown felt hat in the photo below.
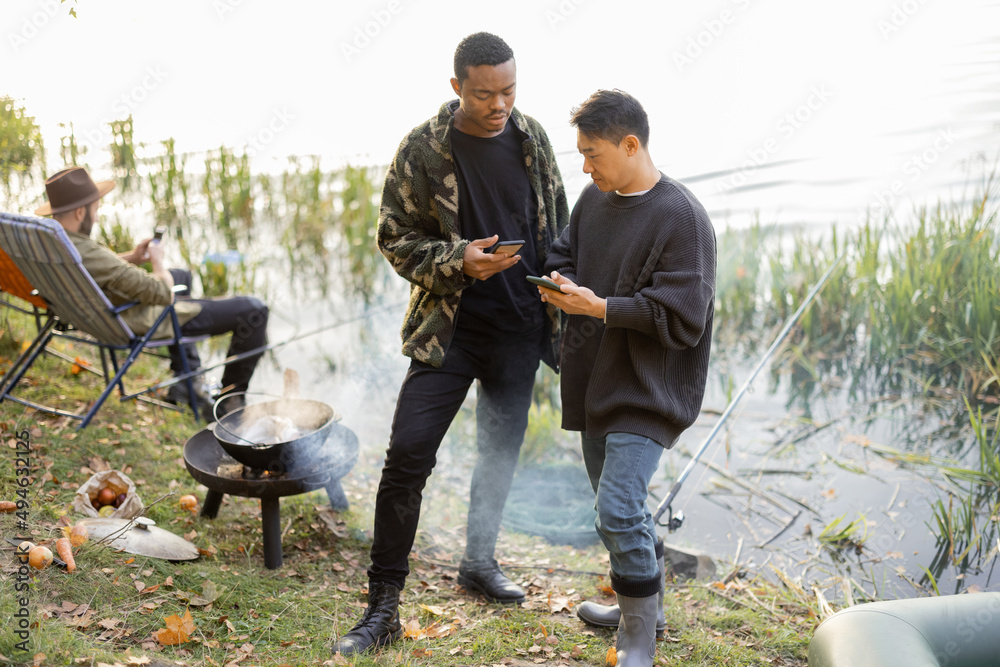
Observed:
{"x":70,"y":189}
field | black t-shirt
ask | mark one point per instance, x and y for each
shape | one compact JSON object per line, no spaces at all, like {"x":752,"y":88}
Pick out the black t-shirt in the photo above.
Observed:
{"x":495,"y":197}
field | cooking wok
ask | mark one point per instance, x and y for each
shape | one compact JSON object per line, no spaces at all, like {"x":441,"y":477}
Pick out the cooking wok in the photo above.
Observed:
{"x":313,"y":419}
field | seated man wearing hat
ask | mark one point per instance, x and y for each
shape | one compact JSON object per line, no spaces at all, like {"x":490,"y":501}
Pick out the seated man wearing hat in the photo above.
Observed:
{"x":73,"y":201}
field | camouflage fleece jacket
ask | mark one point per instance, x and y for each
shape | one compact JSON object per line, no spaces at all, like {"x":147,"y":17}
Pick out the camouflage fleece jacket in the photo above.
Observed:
{"x":419,"y":232}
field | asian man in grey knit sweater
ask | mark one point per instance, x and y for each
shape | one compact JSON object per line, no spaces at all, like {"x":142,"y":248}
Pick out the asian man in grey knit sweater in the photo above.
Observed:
{"x":636,"y":269}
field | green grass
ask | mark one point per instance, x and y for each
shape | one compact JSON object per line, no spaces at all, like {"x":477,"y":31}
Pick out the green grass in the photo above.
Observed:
{"x":292,"y":615}
{"x":915,"y":308}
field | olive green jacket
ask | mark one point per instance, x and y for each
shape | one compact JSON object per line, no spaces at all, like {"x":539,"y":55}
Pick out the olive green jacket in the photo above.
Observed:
{"x":123,"y":282}
{"x":419,"y":232}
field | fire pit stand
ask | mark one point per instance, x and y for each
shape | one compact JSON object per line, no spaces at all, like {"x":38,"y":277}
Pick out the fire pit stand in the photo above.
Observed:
{"x":203,"y":456}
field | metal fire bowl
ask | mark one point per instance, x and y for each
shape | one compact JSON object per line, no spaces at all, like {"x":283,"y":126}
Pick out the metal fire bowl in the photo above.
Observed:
{"x":336,"y":457}
{"x":313,"y":417}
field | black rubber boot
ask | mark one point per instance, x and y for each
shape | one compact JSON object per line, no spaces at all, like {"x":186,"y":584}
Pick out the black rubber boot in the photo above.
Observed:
{"x":609,"y":616}
{"x":380,"y":624}
{"x":487,"y":578}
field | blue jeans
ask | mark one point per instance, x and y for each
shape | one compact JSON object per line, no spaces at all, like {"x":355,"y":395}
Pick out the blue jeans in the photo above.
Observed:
{"x":620,"y":467}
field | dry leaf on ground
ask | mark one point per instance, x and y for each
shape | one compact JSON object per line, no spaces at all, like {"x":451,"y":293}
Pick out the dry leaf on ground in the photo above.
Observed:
{"x":177,"y":631}
{"x":433,"y":609}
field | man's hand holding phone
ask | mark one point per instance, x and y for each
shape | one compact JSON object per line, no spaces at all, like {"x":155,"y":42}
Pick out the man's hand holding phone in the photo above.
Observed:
{"x":479,"y":263}
{"x":570,"y":297}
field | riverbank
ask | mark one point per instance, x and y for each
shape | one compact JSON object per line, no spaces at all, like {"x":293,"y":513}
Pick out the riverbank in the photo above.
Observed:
{"x":110,"y":610}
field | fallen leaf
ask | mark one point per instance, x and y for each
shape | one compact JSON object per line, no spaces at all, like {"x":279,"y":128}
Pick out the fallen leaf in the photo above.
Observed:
{"x":98,"y":464}
{"x":559,"y":603}
{"x":434,"y":610}
{"x":210,"y":591}
{"x":436,"y":630}
{"x":177,"y":631}
{"x":412,"y":629}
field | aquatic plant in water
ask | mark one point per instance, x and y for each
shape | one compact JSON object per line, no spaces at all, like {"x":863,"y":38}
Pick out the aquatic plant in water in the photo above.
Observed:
{"x":838,"y":534}
{"x":914,"y":308}
{"x":21,"y":149}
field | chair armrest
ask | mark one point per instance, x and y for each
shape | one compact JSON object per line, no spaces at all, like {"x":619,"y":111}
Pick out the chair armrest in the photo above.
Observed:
{"x":123,"y":307}
{"x":126,"y":306}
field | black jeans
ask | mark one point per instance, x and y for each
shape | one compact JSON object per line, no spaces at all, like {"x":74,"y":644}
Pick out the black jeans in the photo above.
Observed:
{"x":428,"y":401}
{"x":244,"y":316}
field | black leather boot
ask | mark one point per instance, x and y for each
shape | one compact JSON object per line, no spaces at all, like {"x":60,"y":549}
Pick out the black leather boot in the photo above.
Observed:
{"x":486,"y":577}
{"x":380,"y":624}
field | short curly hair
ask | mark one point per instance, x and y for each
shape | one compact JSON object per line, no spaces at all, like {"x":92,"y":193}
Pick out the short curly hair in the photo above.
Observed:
{"x":612,"y":115}
{"x":481,"y":48}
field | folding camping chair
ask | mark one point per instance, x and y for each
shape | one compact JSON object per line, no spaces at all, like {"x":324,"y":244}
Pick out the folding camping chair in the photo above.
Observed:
{"x":13,"y":283}
{"x":40,"y":248}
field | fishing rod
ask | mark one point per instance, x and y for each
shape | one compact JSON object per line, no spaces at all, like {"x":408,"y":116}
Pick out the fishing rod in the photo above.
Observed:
{"x":675,"y":521}
{"x":260,"y":350}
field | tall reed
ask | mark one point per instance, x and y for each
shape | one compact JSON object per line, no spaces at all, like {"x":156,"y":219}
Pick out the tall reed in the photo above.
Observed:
{"x":914,"y":308}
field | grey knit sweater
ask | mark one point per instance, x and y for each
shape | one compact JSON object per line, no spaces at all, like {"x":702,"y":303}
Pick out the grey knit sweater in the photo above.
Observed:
{"x":652,"y":257}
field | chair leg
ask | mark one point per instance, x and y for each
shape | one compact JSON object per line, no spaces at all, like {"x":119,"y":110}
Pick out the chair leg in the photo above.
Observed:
{"x":27,"y":358}
{"x":104,"y":364}
{"x":115,"y":382}
{"x":118,"y":374}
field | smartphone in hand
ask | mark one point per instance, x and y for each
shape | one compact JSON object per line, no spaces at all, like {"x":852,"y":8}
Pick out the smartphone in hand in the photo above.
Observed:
{"x":158,"y":234}
{"x":508,"y":248}
{"x":544,"y":282}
